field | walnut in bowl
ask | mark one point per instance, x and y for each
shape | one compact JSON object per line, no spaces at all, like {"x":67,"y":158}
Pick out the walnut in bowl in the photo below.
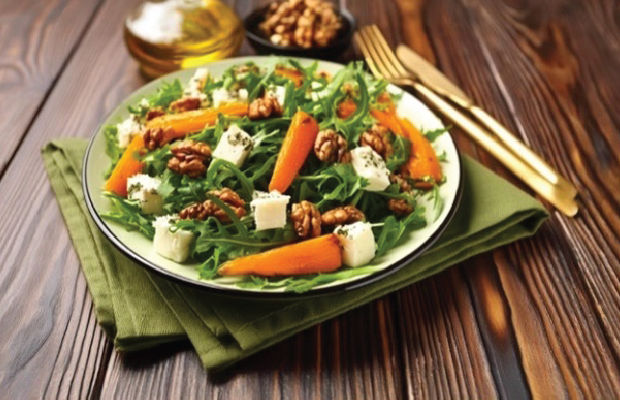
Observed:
{"x":309,"y":28}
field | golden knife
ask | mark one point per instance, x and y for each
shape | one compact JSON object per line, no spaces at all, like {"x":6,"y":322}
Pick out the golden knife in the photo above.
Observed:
{"x":435,"y":80}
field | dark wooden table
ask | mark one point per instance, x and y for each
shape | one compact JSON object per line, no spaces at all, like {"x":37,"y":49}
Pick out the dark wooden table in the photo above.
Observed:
{"x":539,"y":318}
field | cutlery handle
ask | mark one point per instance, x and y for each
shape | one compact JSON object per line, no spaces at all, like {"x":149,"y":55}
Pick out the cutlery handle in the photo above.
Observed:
{"x":525,"y":153}
{"x":552,"y":193}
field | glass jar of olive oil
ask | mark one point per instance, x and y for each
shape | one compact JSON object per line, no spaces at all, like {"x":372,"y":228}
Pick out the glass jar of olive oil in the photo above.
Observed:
{"x":166,"y":35}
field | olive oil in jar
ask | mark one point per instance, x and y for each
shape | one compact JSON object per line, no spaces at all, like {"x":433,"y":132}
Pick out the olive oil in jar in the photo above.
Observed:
{"x":166,"y":35}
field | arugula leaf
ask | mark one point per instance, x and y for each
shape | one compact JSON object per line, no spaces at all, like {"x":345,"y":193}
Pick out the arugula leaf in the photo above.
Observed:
{"x":112,"y":149}
{"x":393,"y":229}
{"x":402,"y":148}
{"x":127,"y":213}
{"x":166,"y":94}
{"x":434,"y":134}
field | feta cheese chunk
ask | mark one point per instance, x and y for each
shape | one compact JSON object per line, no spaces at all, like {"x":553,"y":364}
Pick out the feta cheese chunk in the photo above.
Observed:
{"x":368,"y":164}
{"x":144,"y":189}
{"x":172,"y":245}
{"x":222,"y":96}
{"x":234,"y":145}
{"x":196,"y":84}
{"x":242,"y":94}
{"x":126,"y":130}
{"x":358,"y":243}
{"x":277,"y":92}
{"x":269,"y":209}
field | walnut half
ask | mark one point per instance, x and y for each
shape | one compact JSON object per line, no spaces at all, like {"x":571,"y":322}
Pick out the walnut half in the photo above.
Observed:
{"x":306,"y":219}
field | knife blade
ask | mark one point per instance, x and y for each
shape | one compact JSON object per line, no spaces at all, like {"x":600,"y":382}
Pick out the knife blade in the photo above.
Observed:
{"x":428,"y":74}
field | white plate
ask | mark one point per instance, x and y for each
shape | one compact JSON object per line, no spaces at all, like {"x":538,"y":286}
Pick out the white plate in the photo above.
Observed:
{"x":137,"y":247}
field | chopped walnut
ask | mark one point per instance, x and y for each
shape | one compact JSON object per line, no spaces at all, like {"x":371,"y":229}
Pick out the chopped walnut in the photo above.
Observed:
{"x":303,"y":23}
{"x":185,"y":104}
{"x":190,"y":158}
{"x":194,"y":211}
{"x":342,"y":215}
{"x":399,"y":206}
{"x":378,"y":139}
{"x":329,"y":146}
{"x":306,"y":219}
{"x":154,"y":113}
{"x":264,"y":107}
{"x":231,"y":199}
{"x":402,"y":181}
{"x":156,"y":137}
{"x":208,"y":208}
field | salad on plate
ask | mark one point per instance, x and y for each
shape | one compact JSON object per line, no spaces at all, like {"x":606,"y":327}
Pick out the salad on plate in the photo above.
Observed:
{"x":275,"y":176}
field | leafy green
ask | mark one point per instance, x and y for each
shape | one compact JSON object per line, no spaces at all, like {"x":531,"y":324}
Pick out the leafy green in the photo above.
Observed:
{"x":111,"y":147}
{"x":393,"y":229}
{"x":166,"y":94}
{"x":127,"y":213}
{"x":402,"y":148}
{"x":434,"y":134}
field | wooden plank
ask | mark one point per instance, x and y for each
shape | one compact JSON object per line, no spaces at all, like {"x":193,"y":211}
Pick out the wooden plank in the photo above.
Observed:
{"x":52,"y":346}
{"x":354,"y":356}
{"x":559,"y":67}
{"x":539,"y":89}
{"x":37,"y":38}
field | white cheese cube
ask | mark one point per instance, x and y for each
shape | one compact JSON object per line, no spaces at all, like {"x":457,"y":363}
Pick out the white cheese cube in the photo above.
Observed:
{"x":242,"y":94}
{"x":368,"y":164}
{"x":221,"y":96}
{"x":358,"y":243}
{"x":126,"y":130}
{"x":196,"y":84}
{"x":144,"y":189}
{"x":277,"y":92}
{"x":269,"y":209}
{"x":172,"y":245}
{"x":234,"y":145}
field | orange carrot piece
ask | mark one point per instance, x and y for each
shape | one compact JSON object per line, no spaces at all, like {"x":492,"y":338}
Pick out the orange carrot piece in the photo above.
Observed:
{"x":179,"y":125}
{"x":293,"y":74}
{"x":297,"y":144}
{"x":321,"y":254}
{"x":127,"y":166}
{"x":423,"y":165}
{"x":346,"y":108}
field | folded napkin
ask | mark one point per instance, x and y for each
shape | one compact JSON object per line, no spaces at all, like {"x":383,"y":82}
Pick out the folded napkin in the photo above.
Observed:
{"x":139,"y":309}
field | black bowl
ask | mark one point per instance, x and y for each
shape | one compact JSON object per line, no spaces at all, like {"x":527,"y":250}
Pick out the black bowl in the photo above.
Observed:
{"x":263,"y":45}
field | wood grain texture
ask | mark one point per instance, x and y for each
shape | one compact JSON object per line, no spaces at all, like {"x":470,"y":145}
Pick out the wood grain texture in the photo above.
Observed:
{"x":537,"y":318}
{"x":37,"y":38}
{"x":52,"y":346}
{"x":521,"y":62}
{"x":354,"y":356}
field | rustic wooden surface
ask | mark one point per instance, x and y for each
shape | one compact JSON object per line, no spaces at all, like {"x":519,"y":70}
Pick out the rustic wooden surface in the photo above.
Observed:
{"x":538,"y":318}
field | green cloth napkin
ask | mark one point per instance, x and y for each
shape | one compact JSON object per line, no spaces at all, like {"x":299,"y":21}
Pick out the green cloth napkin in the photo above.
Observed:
{"x":139,"y":309}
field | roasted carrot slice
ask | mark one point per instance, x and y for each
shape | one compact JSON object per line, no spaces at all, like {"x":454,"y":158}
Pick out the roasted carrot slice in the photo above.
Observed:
{"x":321,"y":254}
{"x":179,"y":125}
{"x":293,"y":74}
{"x":128,"y":165}
{"x":389,"y":120}
{"x":296,"y":146}
{"x":346,"y":108}
{"x":423,"y":165}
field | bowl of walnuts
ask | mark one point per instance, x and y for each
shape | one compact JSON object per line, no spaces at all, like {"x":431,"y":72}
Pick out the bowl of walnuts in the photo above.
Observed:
{"x":302,"y":28}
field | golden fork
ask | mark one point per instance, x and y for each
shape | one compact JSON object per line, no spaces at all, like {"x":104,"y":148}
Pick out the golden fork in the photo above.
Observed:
{"x":384,"y":64}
